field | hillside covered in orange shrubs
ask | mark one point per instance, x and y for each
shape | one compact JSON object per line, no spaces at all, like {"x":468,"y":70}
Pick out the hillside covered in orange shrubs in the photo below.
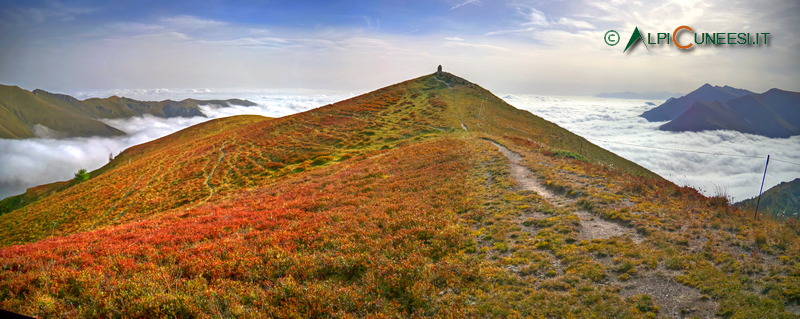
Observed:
{"x":431,"y":197}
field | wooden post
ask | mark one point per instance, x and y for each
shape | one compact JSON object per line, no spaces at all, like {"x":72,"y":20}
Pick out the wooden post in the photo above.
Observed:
{"x":758,"y":201}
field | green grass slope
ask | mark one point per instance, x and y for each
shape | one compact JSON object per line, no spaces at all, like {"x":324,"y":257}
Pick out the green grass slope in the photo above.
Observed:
{"x":395,"y":203}
{"x":782,"y":200}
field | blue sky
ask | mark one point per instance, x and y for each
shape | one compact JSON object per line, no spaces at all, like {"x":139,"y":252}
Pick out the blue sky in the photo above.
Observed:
{"x":515,"y":46}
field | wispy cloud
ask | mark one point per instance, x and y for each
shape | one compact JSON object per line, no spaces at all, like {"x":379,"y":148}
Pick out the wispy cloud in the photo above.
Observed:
{"x":467,"y":2}
{"x":458,"y":42}
{"x":372,"y":23}
{"x":134,"y":27}
{"x":574,"y":23}
{"x":55,"y":11}
{"x":535,"y":17}
{"x":21,"y":14}
{"x":509,"y":31}
{"x":167,"y":46}
{"x":262,"y":42}
{"x":192,"y":22}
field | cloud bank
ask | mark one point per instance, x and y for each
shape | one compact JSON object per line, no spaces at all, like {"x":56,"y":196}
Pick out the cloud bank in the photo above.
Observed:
{"x":32,"y":162}
{"x":714,"y":162}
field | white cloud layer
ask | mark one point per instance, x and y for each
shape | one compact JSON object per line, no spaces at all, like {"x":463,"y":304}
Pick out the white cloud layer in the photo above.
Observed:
{"x":614,"y":124}
{"x":610,"y":123}
{"x":31,"y":162}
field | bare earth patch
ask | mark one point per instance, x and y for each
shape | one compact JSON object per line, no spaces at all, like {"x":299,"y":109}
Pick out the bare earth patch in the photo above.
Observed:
{"x":675,"y":300}
{"x":794,"y":308}
{"x":597,"y":228}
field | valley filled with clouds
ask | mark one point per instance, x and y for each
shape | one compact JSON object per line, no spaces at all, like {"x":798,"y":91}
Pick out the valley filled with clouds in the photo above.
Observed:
{"x":518,"y":46}
{"x":31,"y":162}
{"x":715,"y":162}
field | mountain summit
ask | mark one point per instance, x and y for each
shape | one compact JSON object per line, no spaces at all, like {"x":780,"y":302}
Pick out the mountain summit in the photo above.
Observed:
{"x":674,"y":107}
{"x":431,"y":197}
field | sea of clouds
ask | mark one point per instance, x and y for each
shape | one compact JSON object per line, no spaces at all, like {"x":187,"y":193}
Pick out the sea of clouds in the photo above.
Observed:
{"x":724,"y":163}
{"x":715,"y":162}
{"x":31,"y":162}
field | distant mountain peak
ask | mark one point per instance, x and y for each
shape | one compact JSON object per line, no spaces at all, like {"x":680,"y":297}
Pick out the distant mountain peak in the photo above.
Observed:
{"x":673,"y":108}
{"x":773,"y":91}
{"x":70,"y":117}
{"x":775,"y":113}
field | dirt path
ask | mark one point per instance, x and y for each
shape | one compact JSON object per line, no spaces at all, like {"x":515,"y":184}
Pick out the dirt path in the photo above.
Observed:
{"x":213,"y":170}
{"x":526,"y":179}
{"x":674,"y":298}
{"x":445,"y":83}
{"x":592,"y":227}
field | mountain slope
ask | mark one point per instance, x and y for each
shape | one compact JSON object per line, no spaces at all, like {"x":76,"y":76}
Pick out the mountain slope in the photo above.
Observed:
{"x":775,"y":113}
{"x":674,"y":107}
{"x":251,"y":150}
{"x":431,"y":197}
{"x":782,"y":200}
{"x":25,"y":114}
{"x":120,"y":107}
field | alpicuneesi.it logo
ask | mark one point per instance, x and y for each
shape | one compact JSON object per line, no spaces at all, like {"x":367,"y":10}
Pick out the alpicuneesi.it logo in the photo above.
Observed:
{"x":700,"y":38}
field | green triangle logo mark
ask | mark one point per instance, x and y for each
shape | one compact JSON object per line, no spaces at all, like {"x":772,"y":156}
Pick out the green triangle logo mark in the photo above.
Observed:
{"x":635,"y":37}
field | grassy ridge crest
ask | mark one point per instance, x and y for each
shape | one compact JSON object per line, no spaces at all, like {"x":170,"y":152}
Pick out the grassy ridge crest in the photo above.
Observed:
{"x":394,"y":203}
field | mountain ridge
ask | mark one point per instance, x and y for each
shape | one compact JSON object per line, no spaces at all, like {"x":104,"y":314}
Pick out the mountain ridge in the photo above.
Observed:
{"x":782,"y":200}
{"x":774,"y":113}
{"x":412,"y":200}
{"x":27,"y":114}
{"x":300,"y":157}
{"x":674,"y":107}
{"x":21,"y":111}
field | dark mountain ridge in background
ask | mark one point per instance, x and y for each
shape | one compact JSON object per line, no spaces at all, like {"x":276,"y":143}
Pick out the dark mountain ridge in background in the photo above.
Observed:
{"x":26,"y":114}
{"x":674,"y":107}
{"x":775,"y":113}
